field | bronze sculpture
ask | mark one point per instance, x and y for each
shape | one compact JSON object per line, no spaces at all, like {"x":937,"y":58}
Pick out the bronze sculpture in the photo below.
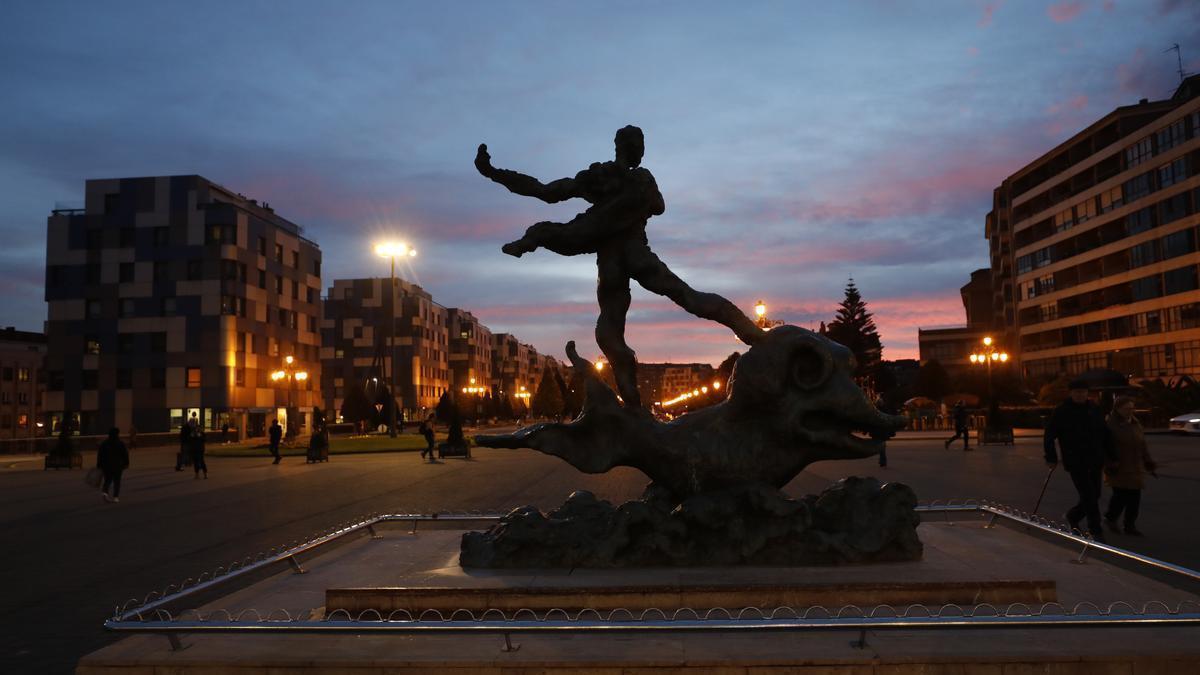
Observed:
{"x":792,"y":401}
{"x":624,"y":196}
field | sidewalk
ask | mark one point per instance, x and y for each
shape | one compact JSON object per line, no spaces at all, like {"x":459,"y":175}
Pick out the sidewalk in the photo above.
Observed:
{"x":941,"y":435}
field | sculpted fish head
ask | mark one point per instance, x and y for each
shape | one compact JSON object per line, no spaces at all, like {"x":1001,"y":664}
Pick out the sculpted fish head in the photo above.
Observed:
{"x":802,"y":384}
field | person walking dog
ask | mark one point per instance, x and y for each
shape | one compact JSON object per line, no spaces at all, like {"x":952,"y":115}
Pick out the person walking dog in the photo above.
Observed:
{"x":112,"y":459}
{"x":1086,"y":444}
{"x":1125,"y":473}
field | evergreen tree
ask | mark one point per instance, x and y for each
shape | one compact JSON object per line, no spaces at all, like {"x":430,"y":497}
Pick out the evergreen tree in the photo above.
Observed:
{"x":356,"y":407}
{"x":854,"y":327}
{"x":574,"y":394}
{"x":548,"y":399}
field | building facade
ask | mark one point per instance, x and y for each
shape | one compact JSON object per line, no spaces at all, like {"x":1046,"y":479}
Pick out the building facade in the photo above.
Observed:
{"x":359,"y":343}
{"x":515,"y":367}
{"x":172,"y":296}
{"x":470,"y":352}
{"x":21,"y":383}
{"x":1093,"y":246}
{"x":952,"y":347}
{"x":664,"y":381}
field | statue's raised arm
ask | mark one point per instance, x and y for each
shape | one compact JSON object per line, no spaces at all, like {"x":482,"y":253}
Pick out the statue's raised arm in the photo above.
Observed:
{"x":528,"y":186}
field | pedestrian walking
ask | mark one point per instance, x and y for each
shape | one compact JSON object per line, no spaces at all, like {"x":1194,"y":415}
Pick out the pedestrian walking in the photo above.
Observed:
{"x":225,"y":434}
{"x":960,"y":426}
{"x":1125,"y":473}
{"x":1086,"y":445}
{"x":426,"y":430}
{"x":198,"y":463}
{"x":184,"y":457}
{"x":132,"y":437}
{"x":275,"y":435}
{"x":112,"y":459}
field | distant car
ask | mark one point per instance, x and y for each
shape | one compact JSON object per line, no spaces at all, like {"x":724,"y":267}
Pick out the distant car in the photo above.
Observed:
{"x":1186,"y":424}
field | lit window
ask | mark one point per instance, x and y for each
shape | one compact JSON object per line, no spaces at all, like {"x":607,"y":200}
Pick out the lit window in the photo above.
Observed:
{"x":193,"y":378}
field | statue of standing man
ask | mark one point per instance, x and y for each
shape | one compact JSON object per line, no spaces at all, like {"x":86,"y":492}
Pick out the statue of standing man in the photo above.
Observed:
{"x":623,"y":197}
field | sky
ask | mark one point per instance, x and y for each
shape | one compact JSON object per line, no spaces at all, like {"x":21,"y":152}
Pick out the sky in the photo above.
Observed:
{"x":797,"y":144}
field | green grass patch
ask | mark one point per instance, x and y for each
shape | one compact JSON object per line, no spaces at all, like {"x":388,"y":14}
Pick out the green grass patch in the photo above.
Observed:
{"x":338,"y":445}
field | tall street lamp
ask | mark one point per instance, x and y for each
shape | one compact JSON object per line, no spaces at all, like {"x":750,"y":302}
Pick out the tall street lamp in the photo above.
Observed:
{"x":392,"y":250}
{"x":987,"y":356}
{"x":293,"y":376}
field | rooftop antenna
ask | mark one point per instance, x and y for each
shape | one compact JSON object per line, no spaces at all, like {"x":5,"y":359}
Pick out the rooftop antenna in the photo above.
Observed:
{"x":1178,"y":60}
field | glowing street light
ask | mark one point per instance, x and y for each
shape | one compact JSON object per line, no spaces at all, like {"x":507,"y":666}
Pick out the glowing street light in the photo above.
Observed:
{"x":761,"y":320}
{"x":987,"y":355}
{"x":393,"y":250}
{"x":292,"y":375}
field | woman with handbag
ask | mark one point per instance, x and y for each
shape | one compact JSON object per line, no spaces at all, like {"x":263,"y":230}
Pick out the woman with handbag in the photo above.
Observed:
{"x":112,"y":459}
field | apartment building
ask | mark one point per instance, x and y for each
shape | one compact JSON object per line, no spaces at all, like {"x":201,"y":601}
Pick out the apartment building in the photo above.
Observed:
{"x":172,"y":296}
{"x":365,"y":327}
{"x":470,"y":352}
{"x":1094,"y":246}
{"x":21,"y":383}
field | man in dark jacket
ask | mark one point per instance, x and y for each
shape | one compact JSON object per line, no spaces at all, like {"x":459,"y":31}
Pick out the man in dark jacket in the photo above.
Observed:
{"x":185,"y":446}
{"x":426,"y":430}
{"x":960,"y":426}
{"x":1078,"y":426}
{"x":112,"y":459}
{"x":275,"y":433}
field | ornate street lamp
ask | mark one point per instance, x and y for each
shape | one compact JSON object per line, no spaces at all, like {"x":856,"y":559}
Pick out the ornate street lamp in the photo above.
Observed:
{"x":393,"y":250}
{"x":292,"y":375}
{"x":760,"y":317}
{"x":987,"y":356}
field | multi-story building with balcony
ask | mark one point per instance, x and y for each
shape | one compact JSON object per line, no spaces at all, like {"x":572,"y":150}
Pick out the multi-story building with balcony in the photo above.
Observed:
{"x":359,"y":343}
{"x":21,"y":383}
{"x":1094,"y":246}
{"x":172,"y":296}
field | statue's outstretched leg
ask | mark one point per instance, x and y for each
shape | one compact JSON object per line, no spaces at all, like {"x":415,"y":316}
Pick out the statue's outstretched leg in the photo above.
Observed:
{"x":612,"y":294}
{"x":654,"y":276}
{"x":580,"y":235}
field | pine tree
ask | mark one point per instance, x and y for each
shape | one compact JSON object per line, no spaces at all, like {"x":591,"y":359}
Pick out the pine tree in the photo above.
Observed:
{"x":548,"y":399}
{"x":854,"y":327}
{"x":357,"y":407}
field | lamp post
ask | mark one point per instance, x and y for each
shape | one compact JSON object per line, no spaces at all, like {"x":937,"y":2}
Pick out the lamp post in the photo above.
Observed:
{"x":392,"y":250}
{"x":760,"y":317}
{"x":986,"y":356}
{"x":292,"y":375}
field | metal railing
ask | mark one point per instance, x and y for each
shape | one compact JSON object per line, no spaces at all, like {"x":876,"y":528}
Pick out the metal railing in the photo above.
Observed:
{"x":151,"y":616}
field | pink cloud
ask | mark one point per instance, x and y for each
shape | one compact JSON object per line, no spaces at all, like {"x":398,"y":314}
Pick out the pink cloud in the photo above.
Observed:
{"x":972,"y":51}
{"x":1065,"y":11}
{"x":1109,"y":5}
{"x":673,"y":335}
{"x":989,"y":10}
